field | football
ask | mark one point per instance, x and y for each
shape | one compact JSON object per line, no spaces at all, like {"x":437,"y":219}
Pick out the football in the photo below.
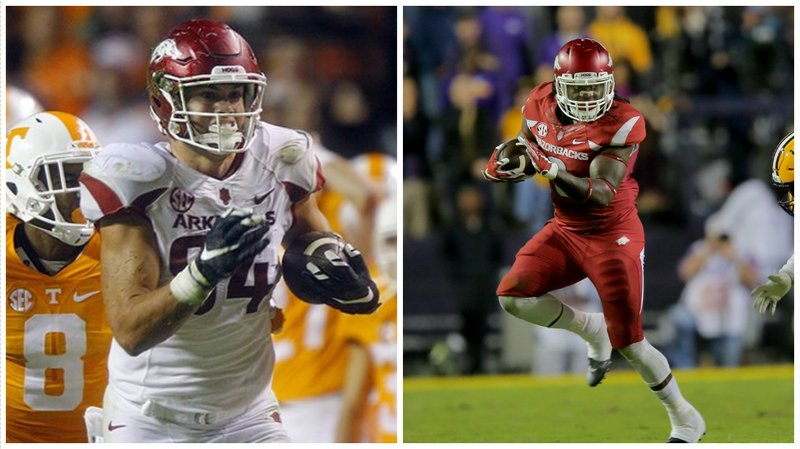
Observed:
{"x":306,"y":263}
{"x":516,"y":155}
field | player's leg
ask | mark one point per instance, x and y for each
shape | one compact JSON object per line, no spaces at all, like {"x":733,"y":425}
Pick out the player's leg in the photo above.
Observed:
{"x":542,"y":265}
{"x":261,"y":423}
{"x":618,"y":276}
{"x":123,"y":422}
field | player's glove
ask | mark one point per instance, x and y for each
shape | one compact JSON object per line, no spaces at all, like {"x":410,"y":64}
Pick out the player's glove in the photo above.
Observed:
{"x":345,"y":284}
{"x":348,"y":286}
{"x":540,"y":161}
{"x":236,"y":237}
{"x":769,"y":293}
{"x":496,"y":172}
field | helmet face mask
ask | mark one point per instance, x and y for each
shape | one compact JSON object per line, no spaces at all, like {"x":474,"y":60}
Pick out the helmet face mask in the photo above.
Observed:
{"x":46,"y":153}
{"x":584,"y":80}
{"x":783,"y":172}
{"x":205,"y":53}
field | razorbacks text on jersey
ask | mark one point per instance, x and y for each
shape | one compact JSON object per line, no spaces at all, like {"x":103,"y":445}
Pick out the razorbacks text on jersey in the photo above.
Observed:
{"x":221,"y":358}
{"x":573,"y":147}
{"x":57,"y":341}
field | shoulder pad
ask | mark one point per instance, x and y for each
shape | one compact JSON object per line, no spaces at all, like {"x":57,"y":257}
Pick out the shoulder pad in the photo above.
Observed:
{"x":623,"y":126}
{"x":294,"y":148}
{"x":126,"y":161}
{"x":123,"y":176}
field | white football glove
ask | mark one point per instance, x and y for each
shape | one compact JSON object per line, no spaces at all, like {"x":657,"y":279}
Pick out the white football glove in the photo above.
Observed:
{"x":769,"y":293}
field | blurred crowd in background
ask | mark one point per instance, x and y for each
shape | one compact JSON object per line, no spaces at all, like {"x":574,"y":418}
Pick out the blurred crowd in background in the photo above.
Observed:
{"x":327,"y":68}
{"x":715,"y":85}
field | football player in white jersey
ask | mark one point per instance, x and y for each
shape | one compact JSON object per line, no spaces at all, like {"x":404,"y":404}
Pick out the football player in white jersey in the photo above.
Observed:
{"x":190,"y":232}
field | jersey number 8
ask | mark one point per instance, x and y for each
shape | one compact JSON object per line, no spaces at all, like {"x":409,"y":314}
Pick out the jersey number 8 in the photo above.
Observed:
{"x":43,"y":362}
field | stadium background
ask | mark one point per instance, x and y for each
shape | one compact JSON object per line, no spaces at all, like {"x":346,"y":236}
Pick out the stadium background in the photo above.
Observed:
{"x":715,"y":85}
{"x":327,"y":67}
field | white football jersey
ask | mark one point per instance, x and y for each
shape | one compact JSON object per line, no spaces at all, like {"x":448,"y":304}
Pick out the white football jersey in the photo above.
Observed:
{"x":222,"y":357}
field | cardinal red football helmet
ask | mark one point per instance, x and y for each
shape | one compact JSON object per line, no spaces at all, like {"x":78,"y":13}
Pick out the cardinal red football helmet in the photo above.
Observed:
{"x":197,"y":53}
{"x":584,"y":79}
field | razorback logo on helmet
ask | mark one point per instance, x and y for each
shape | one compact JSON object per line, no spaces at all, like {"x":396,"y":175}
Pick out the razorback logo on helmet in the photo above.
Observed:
{"x":166,"y":48}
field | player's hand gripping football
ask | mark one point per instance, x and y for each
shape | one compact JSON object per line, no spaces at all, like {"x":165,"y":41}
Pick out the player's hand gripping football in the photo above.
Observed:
{"x":236,"y":237}
{"x":540,"y":161}
{"x":769,"y":293}
{"x":498,"y":170}
{"x":349,"y":286}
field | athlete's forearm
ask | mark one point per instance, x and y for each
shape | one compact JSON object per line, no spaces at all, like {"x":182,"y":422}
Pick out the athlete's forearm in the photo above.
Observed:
{"x":140,"y":313}
{"x":596,"y":192}
{"x":354,"y":394}
{"x":140,"y":319}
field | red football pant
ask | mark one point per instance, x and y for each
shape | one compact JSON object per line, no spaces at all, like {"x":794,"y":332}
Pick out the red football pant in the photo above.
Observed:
{"x":612,"y":260}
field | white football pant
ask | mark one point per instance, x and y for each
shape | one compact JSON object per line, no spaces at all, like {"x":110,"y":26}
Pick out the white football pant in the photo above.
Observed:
{"x":125,"y":422}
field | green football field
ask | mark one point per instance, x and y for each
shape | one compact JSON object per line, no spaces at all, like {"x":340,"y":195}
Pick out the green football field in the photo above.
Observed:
{"x":753,"y":404}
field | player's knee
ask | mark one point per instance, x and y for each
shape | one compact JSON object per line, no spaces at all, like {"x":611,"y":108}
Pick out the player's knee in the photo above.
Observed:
{"x":510,"y":304}
{"x":514,"y":285}
{"x":632,"y":350}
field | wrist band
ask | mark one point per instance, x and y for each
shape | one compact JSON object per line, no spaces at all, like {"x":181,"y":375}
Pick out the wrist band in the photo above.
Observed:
{"x":551,"y":174}
{"x":190,"y":286}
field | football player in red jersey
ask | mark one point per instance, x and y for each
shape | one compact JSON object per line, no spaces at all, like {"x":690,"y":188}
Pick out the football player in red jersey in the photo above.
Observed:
{"x":584,"y":140}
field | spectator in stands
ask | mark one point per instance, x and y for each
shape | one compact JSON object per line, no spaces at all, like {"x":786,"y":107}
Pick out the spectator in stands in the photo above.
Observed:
{"x":718,"y":281}
{"x":571,"y":24}
{"x":623,"y":38}
{"x":473,"y":250}
{"x":506,"y":33}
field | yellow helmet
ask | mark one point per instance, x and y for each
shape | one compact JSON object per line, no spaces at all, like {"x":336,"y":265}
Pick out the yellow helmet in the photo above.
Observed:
{"x":783,"y":172}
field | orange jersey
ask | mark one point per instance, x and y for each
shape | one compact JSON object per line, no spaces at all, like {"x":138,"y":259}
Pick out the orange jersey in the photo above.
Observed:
{"x":378,"y":332}
{"x":57,"y":342}
{"x":309,"y":360}
{"x":311,"y":356}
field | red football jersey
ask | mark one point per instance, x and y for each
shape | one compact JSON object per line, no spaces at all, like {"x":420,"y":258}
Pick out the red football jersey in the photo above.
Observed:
{"x":573,"y":147}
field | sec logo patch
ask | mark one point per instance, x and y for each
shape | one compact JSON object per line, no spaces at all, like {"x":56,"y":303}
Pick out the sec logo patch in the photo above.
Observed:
{"x":181,"y":201}
{"x":21,"y":300}
{"x":541,"y":129}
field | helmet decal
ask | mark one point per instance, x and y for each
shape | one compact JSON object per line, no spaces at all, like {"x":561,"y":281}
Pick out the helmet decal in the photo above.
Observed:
{"x":43,"y":154}
{"x":166,"y":48}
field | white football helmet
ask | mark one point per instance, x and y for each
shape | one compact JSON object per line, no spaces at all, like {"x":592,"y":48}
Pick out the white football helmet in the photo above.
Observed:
{"x":379,"y":168}
{"x":384,"y":242}
{"x":39,"y":150}
{"x":20,"y":104}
